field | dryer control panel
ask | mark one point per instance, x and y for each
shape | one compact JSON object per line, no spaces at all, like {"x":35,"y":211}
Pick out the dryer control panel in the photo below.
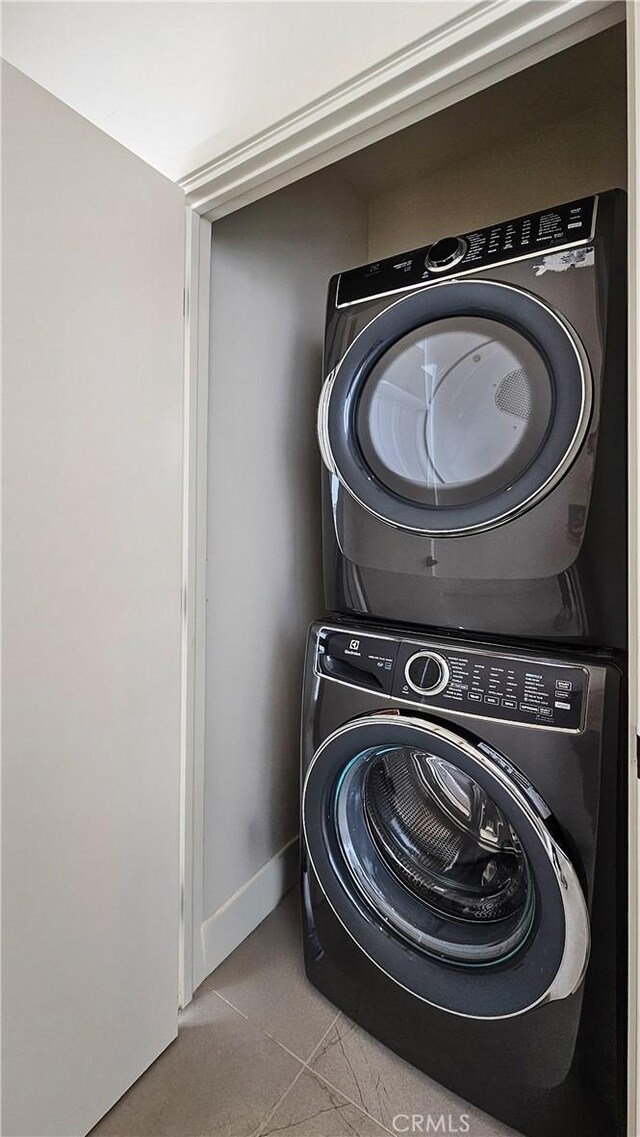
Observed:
{"x":561,"y":227}
{"x":507,"y":687}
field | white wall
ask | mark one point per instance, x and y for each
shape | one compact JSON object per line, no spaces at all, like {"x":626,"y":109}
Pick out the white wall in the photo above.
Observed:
{"x":270,"y":268}
{"x":180,"y":83}
{"x":92,"y":415}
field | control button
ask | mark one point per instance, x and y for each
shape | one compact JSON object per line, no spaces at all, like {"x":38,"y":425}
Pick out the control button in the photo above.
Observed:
{"x":446,"y":253}
{"x":546,"y":711}
{"x":527,"y":707}
{"x":512,"y":704}
{"x":475,"y":696}
{"x":492,"y":700}
{"x":564,"y":684}
{"x":427,"y":673}
{"x":563,"y":706}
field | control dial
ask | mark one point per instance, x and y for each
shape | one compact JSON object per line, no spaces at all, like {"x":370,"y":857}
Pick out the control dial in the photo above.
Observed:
{"x":426,"y":673}
{"x":445,"y":253}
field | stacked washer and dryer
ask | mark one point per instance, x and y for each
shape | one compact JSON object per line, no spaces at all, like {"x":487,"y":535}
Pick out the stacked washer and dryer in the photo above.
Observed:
{"x":464,"y":727}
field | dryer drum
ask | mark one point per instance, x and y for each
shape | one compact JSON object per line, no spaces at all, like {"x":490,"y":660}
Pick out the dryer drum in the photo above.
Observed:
{"x":513,"y":396}
{"x":454,"y":411}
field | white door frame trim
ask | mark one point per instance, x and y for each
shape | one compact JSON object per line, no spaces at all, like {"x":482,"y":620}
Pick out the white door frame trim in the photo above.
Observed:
{"x":491,"y":41}
{"x":194,"y":611}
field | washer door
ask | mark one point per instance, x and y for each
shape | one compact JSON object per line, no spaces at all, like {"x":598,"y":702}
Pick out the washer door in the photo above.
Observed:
{"x":434,"y":853}
{"x":456,"y":408}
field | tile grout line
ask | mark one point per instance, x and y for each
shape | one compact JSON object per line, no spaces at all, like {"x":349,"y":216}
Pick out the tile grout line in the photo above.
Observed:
{"x":234,"y":1008}
{"x":303,"y":1067}
{"x":359,"y":1107}
{"x":273,"y":1038}
{"x":326,"y":1081}
{"x":267,"y":1119}
{"x":321,"y":1040}
{"x":314,"y":1074}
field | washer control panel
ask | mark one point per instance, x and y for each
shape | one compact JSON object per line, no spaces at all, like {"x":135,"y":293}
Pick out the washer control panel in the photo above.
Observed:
{"x":505,"y":687}
{"x":562,"y":227}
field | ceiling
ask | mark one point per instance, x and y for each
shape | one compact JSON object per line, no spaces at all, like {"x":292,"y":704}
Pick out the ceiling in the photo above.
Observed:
{"x":179,"y":83}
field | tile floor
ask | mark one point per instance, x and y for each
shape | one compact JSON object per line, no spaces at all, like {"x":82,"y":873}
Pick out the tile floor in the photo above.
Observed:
{"x":259,"y":1051}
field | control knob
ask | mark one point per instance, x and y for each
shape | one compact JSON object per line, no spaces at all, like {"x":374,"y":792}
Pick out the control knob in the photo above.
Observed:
{"x":426,"y":673}
{"x":446,"y":253}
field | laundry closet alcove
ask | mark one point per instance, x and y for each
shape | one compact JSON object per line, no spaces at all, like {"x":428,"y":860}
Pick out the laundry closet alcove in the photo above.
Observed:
{"x":553,"y":132}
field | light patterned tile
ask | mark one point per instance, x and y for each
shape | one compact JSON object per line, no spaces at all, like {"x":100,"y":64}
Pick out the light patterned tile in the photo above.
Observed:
{"x":386,"y":1087}
{"x":264,"y":978}
{"x":221,"y":1078}
{"x":311,"y":1108}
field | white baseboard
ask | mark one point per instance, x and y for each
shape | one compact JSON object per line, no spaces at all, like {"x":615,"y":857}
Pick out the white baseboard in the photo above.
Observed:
{"x":249,"y":906}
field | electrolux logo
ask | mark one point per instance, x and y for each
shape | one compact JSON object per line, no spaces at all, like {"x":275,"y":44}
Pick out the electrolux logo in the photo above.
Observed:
{"x":443,"y":1123}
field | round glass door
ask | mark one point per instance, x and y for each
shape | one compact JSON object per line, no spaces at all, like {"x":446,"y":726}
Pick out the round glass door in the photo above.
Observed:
{"x":462,"y":886}
{"x":456,"y":408}
{"x":434,"y":854}
{"x":454,"y":411}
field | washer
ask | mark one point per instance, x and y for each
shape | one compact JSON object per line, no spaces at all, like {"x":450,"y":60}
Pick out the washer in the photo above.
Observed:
{"x":463,"y":866}
{"x":472,"y":424}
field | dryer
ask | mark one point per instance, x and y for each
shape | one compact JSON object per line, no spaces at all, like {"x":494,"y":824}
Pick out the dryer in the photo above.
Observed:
{"x":472,"y":423}
{"x":463,"y":866}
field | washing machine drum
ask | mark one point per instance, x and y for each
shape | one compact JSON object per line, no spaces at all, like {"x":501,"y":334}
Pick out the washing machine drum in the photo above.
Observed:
{"x":435,"y":853}
{"x":457,"y":408}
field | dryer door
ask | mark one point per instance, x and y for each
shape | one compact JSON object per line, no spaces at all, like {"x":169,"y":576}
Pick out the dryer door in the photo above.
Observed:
{"x":435,"y":854}
{"x":457,"y":408}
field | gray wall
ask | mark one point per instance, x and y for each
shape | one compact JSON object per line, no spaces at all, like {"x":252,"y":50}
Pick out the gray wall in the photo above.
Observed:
{"x":567,"y":158}
{"x":551,"y":133}
{"x":270,"y":267}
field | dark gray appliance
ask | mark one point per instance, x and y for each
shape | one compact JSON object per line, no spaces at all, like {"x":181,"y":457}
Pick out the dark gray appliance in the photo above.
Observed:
{"x":472,"y":423}
{"x":463,"y":865}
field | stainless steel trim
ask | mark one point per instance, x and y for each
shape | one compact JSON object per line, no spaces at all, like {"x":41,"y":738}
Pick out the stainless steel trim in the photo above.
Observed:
{"x":570,"y":454}
{"x":322,"y":423}
{"x":482,"y":268}
{"x":444,"y":667}
{"x":463,"y":246}
{"x":575,"y":957}
{"x":454,"y":709}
